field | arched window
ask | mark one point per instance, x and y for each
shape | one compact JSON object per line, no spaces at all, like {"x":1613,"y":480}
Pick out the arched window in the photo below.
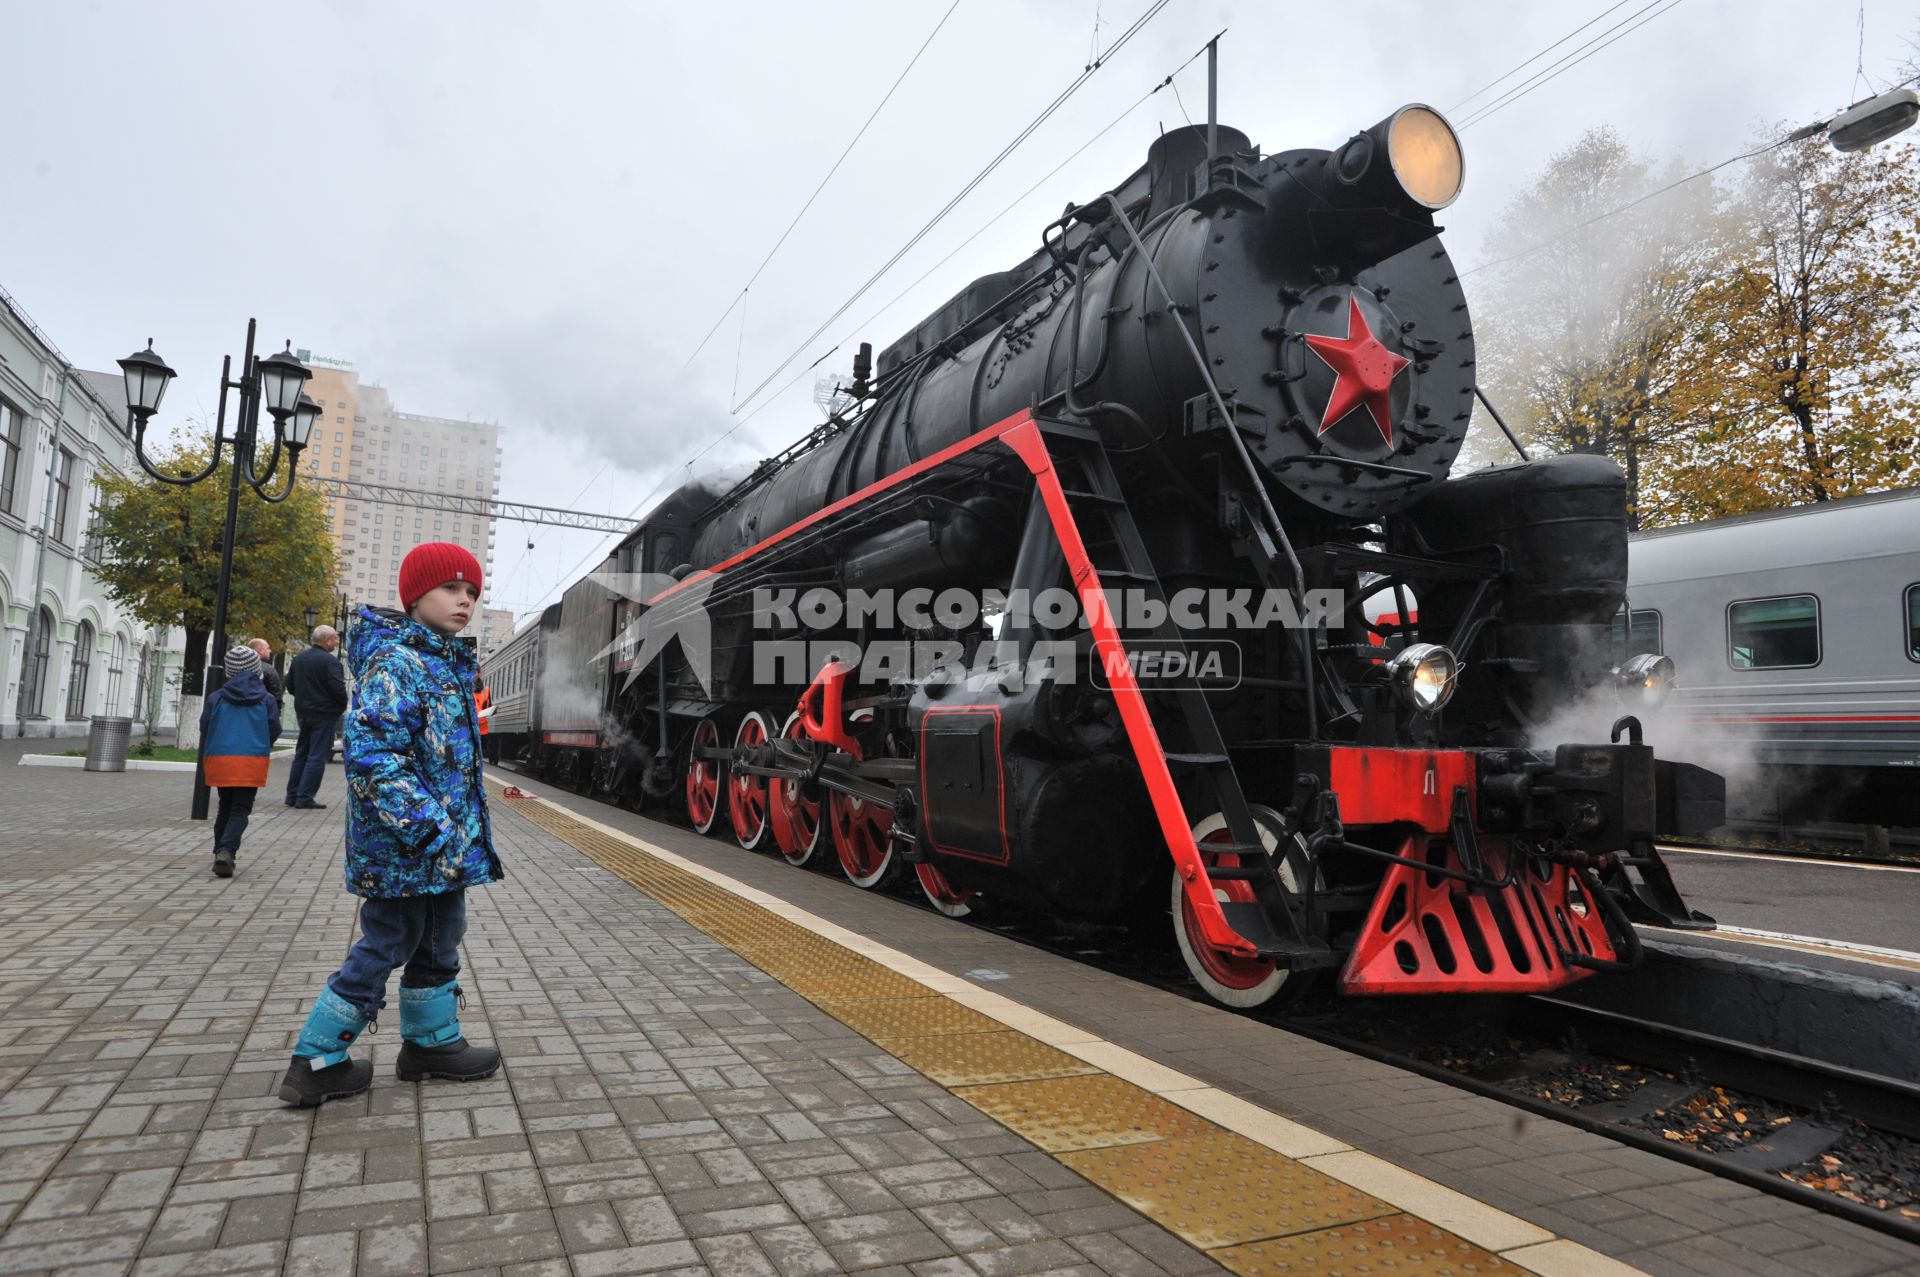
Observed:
{"x":82,"y":667}
{"x":116,"y":673}
{"x":33,"y":685}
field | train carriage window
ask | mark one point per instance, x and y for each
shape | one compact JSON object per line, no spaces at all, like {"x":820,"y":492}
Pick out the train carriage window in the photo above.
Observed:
{"x":1636,"y":634}
{"x":1913,"y":622}
{"x":1777,"y":633}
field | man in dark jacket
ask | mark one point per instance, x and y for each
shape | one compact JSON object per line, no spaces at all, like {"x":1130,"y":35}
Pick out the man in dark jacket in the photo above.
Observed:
{"x":319,"y":689}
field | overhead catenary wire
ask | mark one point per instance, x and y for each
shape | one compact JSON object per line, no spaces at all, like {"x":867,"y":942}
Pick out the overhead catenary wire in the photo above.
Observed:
{"x":740,"y":296}
{"x":1630,"y":205}
{"x":989,"y":224}
{"x":680,"y":471}
{"x":1619,"y":31}
{"x":1092,"y":69}
{"x":1501,"y":79}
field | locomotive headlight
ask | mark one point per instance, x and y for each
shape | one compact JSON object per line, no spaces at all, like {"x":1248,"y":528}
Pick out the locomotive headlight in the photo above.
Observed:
{"x":1425,"y":675}
{"x":1425,"y":155}
{"x":1646,"y":681}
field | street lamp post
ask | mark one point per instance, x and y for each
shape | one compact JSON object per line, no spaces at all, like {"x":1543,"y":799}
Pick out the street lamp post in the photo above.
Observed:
{"x":274,"y":383}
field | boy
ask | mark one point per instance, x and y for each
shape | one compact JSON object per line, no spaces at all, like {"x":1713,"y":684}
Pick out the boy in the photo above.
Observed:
{"x":237,"y":731}
{"x":417,"y":836}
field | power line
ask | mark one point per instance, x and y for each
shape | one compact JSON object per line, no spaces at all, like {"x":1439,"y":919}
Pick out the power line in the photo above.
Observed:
{"x":679,"y":471}
{"x":1529,"y":251}
{"x":1619,"y":4}
{"x":875,"y":114}
{"x":1625,"y":27}
{"x":988,"y":225}
{"x":1088,"y":73}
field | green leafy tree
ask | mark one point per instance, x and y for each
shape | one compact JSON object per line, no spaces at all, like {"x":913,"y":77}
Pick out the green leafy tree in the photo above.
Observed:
{"x":161,"y":554}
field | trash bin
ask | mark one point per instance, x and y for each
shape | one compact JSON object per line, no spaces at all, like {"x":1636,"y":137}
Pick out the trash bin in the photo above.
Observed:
{"x":107,"y":741}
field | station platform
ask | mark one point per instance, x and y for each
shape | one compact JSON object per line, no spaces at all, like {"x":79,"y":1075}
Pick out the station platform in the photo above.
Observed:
{"x":705,"y":1076}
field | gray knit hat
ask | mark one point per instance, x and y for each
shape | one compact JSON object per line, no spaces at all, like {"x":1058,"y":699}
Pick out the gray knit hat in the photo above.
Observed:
{"x":242,"y":660}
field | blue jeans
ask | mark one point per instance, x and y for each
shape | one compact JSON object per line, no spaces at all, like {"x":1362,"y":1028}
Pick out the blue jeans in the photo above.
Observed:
{"x":420,"y":934}
{"x":310,"y":758}
{"x":230,"y":818}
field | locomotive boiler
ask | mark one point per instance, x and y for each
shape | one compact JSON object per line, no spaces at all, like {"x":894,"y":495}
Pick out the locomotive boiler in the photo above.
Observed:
{"x":1067,"y":608}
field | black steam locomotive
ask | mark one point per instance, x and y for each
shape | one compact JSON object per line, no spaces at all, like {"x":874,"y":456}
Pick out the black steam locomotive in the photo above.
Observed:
{"x":1069,"y":607}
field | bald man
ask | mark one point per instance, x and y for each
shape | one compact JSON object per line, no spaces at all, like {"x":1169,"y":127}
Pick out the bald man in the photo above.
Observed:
{"x":276,"y":687}
{"x":319,"y":699}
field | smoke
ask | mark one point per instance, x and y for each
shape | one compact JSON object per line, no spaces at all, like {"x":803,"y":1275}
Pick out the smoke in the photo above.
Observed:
{"x":1681,"y":729}
{"x":567,"y":695}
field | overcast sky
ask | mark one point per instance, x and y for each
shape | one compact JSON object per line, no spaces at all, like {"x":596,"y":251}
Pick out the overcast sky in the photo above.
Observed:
{"x":531,"y":214}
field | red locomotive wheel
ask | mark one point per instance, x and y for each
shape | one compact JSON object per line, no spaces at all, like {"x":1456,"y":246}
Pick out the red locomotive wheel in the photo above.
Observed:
{"x":796,"y":822}
{"x":1228,"y":978}
{"x":860,"y":831}
{"x":706,"y":790}
{"x":747,"y":794}
{"x":943,"y":895}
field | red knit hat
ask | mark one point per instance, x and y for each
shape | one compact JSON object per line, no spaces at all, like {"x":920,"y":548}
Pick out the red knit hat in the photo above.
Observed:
{"x":434,"y":564}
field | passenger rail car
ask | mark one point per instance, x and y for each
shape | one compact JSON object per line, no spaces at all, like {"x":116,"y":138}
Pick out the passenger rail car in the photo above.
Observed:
{"x":1215,"y":410}
{"x":1796,"y":635}
{"x":512,"y":677}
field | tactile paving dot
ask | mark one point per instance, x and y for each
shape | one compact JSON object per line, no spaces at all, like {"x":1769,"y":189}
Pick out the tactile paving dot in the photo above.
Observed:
{"x":1221,"y":1189}
{"x":1398,"y":1244}
{"x":1094,"y":1111}
{"x":976,"y":1059}
{"x":850,"y":984}
{"x":911,"y":1017}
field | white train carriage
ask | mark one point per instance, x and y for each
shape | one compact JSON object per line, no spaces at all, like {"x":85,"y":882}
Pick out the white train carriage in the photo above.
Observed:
{"x":1796,"y":640}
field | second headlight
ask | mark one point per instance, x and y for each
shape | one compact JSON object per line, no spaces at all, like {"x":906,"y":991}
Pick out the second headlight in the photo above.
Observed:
{"x":1646,"y":681}
{"x":1424,"y":674}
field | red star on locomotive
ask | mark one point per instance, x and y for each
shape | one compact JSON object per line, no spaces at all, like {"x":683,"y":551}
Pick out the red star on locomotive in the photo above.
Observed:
{"x":1363,"y":373}
{"x":1140,"y":418}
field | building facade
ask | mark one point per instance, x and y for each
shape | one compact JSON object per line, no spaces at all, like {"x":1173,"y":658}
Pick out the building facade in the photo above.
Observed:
{"x":361,"y":438}
{"x":68,"y":652}
{"x":496,"y":627}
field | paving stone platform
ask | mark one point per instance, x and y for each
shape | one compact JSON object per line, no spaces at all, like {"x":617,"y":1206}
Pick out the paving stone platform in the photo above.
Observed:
{"x":667,"y":1106}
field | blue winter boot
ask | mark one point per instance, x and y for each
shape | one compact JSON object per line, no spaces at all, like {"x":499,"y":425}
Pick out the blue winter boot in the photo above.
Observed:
{"x":321,"y":1070}
{"x":430,"y":1023}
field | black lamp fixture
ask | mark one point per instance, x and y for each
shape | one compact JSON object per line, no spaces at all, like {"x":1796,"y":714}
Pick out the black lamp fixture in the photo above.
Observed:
{"x":147,"y":376}
{"x":281,"y":377}
{"x":274,"y":383}
{"x":300,"y":424}
{"x":312,"y":616}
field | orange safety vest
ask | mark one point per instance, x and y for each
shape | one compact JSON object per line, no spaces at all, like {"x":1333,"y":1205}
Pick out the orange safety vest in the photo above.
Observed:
{"x":481,"y":700}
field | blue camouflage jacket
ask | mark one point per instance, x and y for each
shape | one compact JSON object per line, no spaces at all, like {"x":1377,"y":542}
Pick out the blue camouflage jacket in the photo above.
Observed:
{"x":417,"y":819}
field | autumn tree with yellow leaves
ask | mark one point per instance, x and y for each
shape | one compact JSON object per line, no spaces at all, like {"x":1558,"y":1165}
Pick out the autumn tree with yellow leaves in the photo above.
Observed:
{"x":1733,"y":349}
{"x":1801,"y":363}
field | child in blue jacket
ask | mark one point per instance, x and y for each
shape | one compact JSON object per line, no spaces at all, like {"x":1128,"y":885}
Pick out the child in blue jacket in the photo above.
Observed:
{"x":237,"y":729}
{"x":417,"y":836}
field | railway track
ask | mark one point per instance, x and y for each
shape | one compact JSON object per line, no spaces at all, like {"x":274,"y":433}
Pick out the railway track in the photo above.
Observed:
{"x":1805,"y":1130}
{"x":1837,"y":1140}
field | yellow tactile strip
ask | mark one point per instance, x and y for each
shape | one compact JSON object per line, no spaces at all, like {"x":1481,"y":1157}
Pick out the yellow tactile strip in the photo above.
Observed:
{"x":1094,"y":1110}
{"x":1384,"y":1247}
{"x":1252,"y":1208}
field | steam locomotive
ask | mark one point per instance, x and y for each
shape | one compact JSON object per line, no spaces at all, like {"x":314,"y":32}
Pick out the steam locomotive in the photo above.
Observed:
{"x":1066,"y":606}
